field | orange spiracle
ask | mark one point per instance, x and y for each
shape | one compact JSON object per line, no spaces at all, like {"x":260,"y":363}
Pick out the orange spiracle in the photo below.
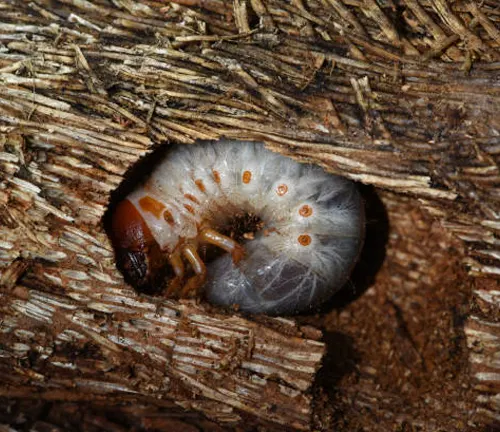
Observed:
{"x":189,"y":208}
{"x":247,"y":176}
{"x":305,"y":211}
{"x":192,"y":198}
{"x":282,"y":189}
{"x":304,"y":239}
{"x":152,"y":206}
{"x":200,"y":185}
{"x":167,"y":215}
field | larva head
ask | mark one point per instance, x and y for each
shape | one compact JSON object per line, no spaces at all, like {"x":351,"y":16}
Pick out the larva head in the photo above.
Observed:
{"x":138,"y":254}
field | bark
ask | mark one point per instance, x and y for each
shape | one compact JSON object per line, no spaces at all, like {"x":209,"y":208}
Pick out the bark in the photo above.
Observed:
{"x":402,"y":96}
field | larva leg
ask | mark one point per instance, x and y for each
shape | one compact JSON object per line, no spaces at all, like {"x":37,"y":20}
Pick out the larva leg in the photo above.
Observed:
{"x":175,"y":260}
{"x":196,"y":282}
{"x":211,"y":236}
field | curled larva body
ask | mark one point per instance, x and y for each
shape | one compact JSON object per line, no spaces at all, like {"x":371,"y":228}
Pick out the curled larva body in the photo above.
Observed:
{"x":311,"y":227}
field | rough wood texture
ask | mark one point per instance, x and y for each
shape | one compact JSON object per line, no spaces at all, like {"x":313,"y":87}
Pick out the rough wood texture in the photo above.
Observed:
{"x":403,"y":95}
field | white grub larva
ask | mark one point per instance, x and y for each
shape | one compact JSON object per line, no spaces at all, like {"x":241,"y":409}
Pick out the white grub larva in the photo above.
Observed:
{"x":301,"y":229}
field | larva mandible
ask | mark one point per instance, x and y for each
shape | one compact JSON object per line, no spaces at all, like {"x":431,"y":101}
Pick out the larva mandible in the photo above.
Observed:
{"x":310,"y":231}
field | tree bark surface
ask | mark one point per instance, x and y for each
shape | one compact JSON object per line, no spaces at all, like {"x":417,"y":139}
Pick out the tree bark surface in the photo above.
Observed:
{"x":401,"y":95}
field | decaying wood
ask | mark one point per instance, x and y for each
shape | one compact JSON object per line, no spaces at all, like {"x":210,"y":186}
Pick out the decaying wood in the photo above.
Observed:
{"x":152,"y":349}
{"x":402,"y":95}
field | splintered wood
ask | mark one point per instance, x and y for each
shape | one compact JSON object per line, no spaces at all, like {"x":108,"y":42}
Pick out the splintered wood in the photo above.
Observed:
{"x":163,"y":350}
{"x":401,"y":95}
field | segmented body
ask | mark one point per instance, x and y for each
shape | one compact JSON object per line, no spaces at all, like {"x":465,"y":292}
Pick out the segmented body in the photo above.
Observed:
{"x":313,"y":222}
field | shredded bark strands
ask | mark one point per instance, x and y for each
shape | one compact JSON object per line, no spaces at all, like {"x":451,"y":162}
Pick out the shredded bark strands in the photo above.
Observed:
{"x":400,"y":95}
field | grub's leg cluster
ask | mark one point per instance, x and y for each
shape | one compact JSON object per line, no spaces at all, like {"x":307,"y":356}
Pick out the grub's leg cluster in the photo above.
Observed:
{"x":189,"y":250}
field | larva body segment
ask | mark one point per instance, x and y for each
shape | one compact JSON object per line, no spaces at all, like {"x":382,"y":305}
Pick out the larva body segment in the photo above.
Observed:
{"x":312,"y":225}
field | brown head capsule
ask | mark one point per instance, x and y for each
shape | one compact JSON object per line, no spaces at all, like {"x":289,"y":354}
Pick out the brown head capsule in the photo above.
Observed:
{"x":138,"y":254}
